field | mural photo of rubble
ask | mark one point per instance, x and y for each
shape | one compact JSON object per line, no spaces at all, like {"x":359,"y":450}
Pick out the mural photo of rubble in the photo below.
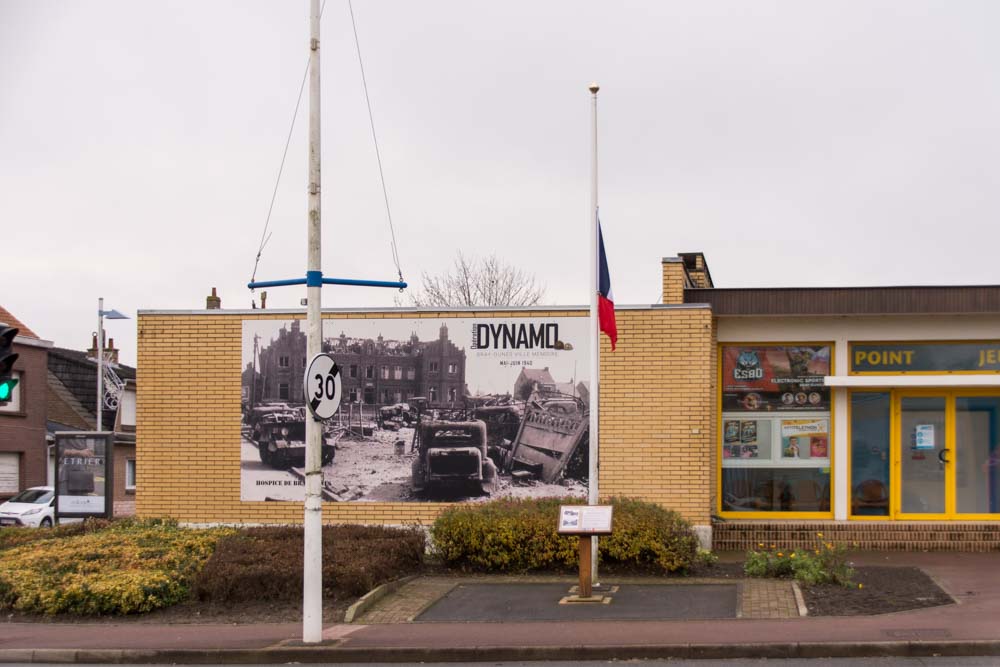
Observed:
{"x":451,"y":409}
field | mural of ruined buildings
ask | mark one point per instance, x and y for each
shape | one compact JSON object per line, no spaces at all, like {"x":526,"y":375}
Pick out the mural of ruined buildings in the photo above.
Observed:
{"x":408,"y":428}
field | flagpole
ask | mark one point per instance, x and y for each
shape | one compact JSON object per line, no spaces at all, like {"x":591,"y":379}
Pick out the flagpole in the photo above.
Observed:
{"x":595,"y":343}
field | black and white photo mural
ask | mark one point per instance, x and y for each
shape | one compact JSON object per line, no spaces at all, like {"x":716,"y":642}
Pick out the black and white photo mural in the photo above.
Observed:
{"x":433,"y":409}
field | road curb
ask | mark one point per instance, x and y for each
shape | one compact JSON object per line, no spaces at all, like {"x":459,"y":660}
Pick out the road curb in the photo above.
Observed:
{"x":332,"y":653}
{"x":368,"y":600}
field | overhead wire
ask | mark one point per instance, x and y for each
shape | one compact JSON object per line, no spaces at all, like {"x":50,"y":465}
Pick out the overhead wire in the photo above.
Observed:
{"x":378,"y":154}
{"x":265,"y":236}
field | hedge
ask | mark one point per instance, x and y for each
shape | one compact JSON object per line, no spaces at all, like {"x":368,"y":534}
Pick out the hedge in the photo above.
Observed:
{"x":266,"y":563}
{"x":520,"y":536}
{"x":125,"y":567}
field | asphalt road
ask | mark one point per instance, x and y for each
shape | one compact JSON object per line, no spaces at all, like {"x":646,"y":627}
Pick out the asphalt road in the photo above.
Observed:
{"x":816,"y":662}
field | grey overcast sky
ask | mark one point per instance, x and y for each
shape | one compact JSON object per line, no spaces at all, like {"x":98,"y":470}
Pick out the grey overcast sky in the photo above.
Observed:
{"x":795,"y":143}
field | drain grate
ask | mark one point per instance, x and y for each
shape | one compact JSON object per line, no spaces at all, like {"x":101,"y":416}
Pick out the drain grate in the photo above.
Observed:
{"x":918,"y":633}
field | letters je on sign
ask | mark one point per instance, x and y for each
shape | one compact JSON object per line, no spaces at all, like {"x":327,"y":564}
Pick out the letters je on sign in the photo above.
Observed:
{"x":989,"y":357}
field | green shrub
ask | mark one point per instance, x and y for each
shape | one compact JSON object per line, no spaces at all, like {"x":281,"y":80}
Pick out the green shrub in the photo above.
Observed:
{"x":123,"y":568}
{"x":826,"y":563}
{"x":266,"y":563}
{"x":18,"y":537}
{"x":520,"y":536}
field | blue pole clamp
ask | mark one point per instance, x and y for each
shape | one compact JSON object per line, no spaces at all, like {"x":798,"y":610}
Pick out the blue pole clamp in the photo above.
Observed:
{"x":314,"y":278}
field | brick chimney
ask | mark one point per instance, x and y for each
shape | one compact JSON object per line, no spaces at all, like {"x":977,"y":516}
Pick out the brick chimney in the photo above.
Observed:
{"x":110,"y":351}
{"x":686,"y":271}
{"x":213,"y":302}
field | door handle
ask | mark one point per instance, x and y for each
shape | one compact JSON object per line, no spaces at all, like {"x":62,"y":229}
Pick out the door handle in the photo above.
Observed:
{"x":941,"y":457}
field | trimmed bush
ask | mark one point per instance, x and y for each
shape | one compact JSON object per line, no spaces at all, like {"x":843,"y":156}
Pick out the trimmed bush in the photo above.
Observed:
{"x":127,"y":567}
{"x":520,"y":536}
{"x":266,"y":563}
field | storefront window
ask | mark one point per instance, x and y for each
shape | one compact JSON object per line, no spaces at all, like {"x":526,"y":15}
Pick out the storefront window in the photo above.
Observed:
{"x":977,"y":445}
{"x":870,"y":453}
{"x":775,"y":428}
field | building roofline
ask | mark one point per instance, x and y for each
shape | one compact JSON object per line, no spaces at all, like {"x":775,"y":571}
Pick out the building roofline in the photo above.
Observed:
{"x":33,"y":342}
{"x":463,"y":310}
{"x":893,"y":300}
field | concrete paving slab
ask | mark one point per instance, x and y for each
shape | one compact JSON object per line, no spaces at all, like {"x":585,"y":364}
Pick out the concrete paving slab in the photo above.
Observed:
{"x":501,"y":603}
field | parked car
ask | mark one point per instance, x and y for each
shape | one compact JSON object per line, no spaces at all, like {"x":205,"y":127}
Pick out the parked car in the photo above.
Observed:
{"x":34,"y":507}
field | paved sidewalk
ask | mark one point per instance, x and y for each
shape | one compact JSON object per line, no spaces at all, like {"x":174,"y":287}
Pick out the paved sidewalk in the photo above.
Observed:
{"x":970,"y":627}
{"x":758,"y":598}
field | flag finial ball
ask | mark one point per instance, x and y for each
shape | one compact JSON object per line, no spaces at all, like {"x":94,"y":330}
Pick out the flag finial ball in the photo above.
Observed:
{"x":594,"y":88}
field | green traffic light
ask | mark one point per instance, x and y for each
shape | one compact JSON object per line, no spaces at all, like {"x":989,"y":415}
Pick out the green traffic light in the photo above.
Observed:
{"x":6,"y":389}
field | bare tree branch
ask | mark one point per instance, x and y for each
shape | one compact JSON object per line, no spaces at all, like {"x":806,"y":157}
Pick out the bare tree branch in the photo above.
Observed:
{"x":489,"y":282}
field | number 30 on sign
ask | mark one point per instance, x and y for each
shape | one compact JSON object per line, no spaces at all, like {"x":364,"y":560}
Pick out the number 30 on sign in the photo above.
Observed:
{"x":322,"y":386}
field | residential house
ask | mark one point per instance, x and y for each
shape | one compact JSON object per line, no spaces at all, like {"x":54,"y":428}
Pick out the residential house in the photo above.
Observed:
{"x":22,"y":419}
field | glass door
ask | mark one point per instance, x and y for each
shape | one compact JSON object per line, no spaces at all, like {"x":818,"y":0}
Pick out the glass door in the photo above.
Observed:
{"x":977,"y":460}
{"x":925,"y":456}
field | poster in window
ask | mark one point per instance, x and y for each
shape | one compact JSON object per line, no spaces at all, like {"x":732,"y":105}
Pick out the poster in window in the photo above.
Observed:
{"x":436,"y":409}
{"x":804,"y":438}
{"x":768,"y":378}
{"x":732,"y":431}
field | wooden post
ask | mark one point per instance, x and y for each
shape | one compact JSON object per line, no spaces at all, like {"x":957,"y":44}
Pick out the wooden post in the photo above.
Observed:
{"x":585,"y":567}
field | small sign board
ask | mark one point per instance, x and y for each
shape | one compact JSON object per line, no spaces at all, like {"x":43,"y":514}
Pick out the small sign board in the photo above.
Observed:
{"x":84,"y":469}
{"x":322,"y":386}
{"x":585,"y":519}
{"x":923,"y":436}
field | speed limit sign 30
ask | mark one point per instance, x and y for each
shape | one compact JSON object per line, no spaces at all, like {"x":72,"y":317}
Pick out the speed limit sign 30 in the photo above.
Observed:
{"x":322,"y":386}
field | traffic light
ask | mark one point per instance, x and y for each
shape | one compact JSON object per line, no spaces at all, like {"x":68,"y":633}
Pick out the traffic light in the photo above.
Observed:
{"x":7,"y":359}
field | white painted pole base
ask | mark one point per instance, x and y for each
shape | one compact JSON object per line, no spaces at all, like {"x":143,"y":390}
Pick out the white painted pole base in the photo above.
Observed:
{"x":312,"y":595}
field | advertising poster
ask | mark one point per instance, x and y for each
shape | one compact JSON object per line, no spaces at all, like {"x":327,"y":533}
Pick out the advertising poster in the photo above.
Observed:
{"x":775,"y":378}
{"x":446,"y":409}
{"x":804,"y":438}
{"x":82,"y":474}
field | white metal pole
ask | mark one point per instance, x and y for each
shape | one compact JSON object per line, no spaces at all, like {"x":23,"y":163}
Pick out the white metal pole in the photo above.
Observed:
{"x":595,"y":341}
{"x":99,"y":344}
{"x":312,"y":566}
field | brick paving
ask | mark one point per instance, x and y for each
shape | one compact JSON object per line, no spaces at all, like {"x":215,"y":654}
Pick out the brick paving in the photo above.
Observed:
{"x":759,"y":599}
{"x":764,"y":598}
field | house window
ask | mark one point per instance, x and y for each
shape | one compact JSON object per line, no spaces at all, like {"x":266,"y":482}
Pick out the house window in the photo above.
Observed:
{"x":385,"y":396}
{"x":130,"y":474}
{"x":14,"y":404}
{"x":283,"y":362}
{"x":354,"y":370}
{"x":370,"y":372}
{"x":354,"y":396}
{"x":397,"y":372}
{"x":434,"y":367}
{"x":434,"y":394}
{"x":452,"y":368}
{"x":453,"y":394}
{"x":385,"y":372}
{"x":411,"y":373}
{"x":283,"y":391}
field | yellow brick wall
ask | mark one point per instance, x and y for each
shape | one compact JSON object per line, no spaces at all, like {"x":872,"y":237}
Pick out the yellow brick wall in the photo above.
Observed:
{"x":673,"y":281}
{"x":657,"y":404}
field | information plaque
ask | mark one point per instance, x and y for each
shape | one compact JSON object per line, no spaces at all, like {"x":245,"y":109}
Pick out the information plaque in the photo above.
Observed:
{"x":585,"y":519}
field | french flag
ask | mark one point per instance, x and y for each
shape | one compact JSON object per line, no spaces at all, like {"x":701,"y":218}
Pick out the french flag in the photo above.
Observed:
{"x":605,"y":297}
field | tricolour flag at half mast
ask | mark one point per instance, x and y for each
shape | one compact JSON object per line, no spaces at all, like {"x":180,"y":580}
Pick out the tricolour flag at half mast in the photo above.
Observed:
{"x":605,"y":297}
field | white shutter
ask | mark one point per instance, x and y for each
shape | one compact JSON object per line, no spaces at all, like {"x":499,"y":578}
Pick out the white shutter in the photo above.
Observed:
{"x":9,"y":474}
